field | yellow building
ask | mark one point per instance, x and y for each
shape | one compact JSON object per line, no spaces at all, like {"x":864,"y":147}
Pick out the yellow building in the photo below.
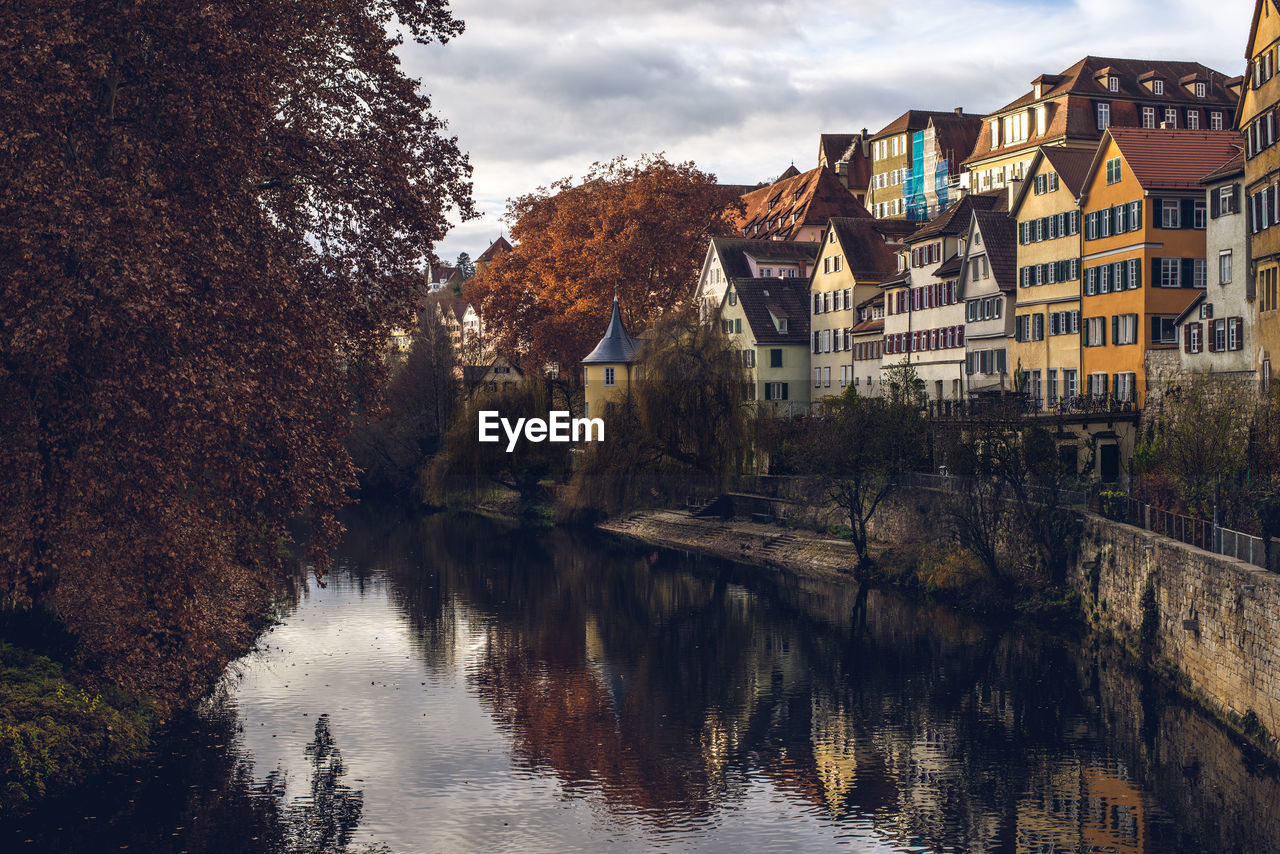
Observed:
{"x":1256,"y":119}
{"x":1048,"y":225}
{"x":856,"y":257}
{"x":767,"y":321}
{"x":608,"y":370}
{"x":1144,"y":219}
{"x":914,"y":160}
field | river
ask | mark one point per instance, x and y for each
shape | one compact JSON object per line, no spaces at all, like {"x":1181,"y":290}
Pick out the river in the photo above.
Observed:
{"x":459,"y":685}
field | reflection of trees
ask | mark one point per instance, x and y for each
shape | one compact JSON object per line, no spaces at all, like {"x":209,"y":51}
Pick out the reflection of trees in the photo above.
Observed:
{"x":204,"y":799}
{"x":666,"y":684}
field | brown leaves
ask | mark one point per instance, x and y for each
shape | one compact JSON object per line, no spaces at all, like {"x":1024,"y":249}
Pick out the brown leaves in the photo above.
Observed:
{"x":180,"y":347}
{"x":638,"y":229}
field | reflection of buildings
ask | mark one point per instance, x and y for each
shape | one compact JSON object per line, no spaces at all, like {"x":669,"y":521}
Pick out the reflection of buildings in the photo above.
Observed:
{"x":668,"y":693}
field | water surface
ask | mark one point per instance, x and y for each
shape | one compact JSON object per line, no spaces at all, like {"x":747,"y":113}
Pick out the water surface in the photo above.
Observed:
{"x":458,"y":685}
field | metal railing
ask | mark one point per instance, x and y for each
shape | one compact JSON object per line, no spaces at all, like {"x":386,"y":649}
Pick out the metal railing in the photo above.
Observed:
{"x":1201,"y":533}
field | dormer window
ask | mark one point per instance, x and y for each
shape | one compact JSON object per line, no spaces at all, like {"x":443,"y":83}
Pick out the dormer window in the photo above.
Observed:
{"x":1113,"y":84}
{"x":781,"y":323}
{"x":1157,"y":87}
{"x":1201,"y":90}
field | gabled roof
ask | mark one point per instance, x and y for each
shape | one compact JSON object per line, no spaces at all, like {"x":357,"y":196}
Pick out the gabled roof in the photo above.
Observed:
{"x":914,"y":120}
{"x":456,"y":307}
{"x":867,"y":254}
{"x":1186,"y":312}
{"x":956,"y":134}
{"x":733,"y":252}
{"x":1233,"y":168}
{"x":832,"y":146}
{"x":1170,"y":159}
{"x":1071,"y":164}
{"x":763,"y":299}
{"x":813,"y":197}
{"x":477,"y":373}
{"x":955,"y":217}
{"x":616,"y":346}
{"x":950,"y":267}
{"x":999,"y":240}
{"x":1070,"y":98}
{"x":498,"y":247}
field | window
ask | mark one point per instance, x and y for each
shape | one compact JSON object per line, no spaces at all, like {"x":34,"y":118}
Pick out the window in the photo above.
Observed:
{"x":1170,"y":214}
{"x":775,"y":391}
{"x":1157,"y":87}
{"x":781,"y":324}
{"x":1113,"y":84}
{"x":775,"y":357}
{"x":1124,"y":329}
{"x":817,"y":377}
{"x":1215,"y":120}
{"x":1198,"y":216}
{"x":1193,"y":120}
{"x":1226,"y":201}
{"x":1070,"y":385}
{"x":1224,"y":267}
{"x":609,"y":377}
{"x":1126,"y":386}
{"x":1149,"y":116}
{"x":1164,"y":330}
{"x":1113,"y":170}
{"x":1170,"y":272}
{"x":1199,"y":273}
{"x":1095,"y":332}
{"x":1193,"y":342}
{"x":1171,"y":117}
{"x":1104,"y":116}
{"x":1200,"y":90}
{"x":1098,"y":385}
{"x":1218,"y":341}
{"x":733,"y":297}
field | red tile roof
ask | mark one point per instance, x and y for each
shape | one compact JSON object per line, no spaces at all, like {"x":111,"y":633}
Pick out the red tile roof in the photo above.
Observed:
{"x":498,"y":247}
{"x":1071,"y":164}
{"x":1172,"y":159}
{"x":866,"y":244}
{"x":1230,"y":169}
{"x":812,"y":197}
{"x":1070,"y":99}
{"x":955,"y":218}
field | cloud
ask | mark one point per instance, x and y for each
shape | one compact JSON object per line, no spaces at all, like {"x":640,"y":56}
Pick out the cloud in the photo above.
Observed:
{"x":536,"y":90}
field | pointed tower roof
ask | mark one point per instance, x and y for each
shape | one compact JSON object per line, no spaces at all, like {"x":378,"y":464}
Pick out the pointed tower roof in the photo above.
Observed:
{"x":616,"y":346}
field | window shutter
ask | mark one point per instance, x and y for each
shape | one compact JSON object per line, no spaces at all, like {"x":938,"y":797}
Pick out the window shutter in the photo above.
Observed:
{"x":1213,"y":339}
{"x":1115,"y":329}
{"x":1186,"y":335}
{"x":1039,"y":327}
{"x":1084,"y":336}
{"x":1157,"y":218}
{"x":1188,"y":272}
{"x":1237,"y":333}
{"x":1188,"y":213}
{"x":1155,"y":273}
{"x":1235,"y":198}
{"x":1215,"y":206}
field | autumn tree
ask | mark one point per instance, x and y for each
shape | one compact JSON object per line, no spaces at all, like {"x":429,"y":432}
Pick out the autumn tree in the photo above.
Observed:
{"x":211,"y":216}
{"x":638,"y":229}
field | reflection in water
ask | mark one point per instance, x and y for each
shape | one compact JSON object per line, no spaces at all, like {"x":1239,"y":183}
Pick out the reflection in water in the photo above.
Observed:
{"x":493,"y":690}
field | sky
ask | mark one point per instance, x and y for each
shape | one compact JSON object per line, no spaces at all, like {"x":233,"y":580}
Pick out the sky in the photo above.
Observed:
{"x":536,"y":90}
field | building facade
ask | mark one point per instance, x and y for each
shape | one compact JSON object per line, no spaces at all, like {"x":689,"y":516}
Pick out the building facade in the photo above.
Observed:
{"x":1144,"y":253}
{"x":609,"y":370}
{"x":1257,"y":120}
{"x":987,"y":286}
{"x":736,"y":258}
{"x":1216,"y":332}
{"x":1047,"y":223}
{"x":1075,"y":107}
{"x":924,"y":314}
{"x":857,"y":255}
{"x":914,"y":161}
{"x":767,"y":322}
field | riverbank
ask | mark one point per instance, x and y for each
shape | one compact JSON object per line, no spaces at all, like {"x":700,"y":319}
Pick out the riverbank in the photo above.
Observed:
{"x":1203,"y":621}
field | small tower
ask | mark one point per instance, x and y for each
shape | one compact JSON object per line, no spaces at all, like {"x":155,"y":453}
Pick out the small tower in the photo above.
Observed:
{"x":606,"y":371}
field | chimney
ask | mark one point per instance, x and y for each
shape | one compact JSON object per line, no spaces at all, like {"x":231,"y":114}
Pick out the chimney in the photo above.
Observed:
{"x":959,"y":111}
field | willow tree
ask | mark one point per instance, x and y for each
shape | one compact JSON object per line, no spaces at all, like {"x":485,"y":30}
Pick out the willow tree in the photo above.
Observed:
{"x":211,"y":216}
{"x":684,"y":423}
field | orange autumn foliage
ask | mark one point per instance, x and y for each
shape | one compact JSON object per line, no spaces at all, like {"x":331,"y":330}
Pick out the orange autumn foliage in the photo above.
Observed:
{"x":638,"y":229}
